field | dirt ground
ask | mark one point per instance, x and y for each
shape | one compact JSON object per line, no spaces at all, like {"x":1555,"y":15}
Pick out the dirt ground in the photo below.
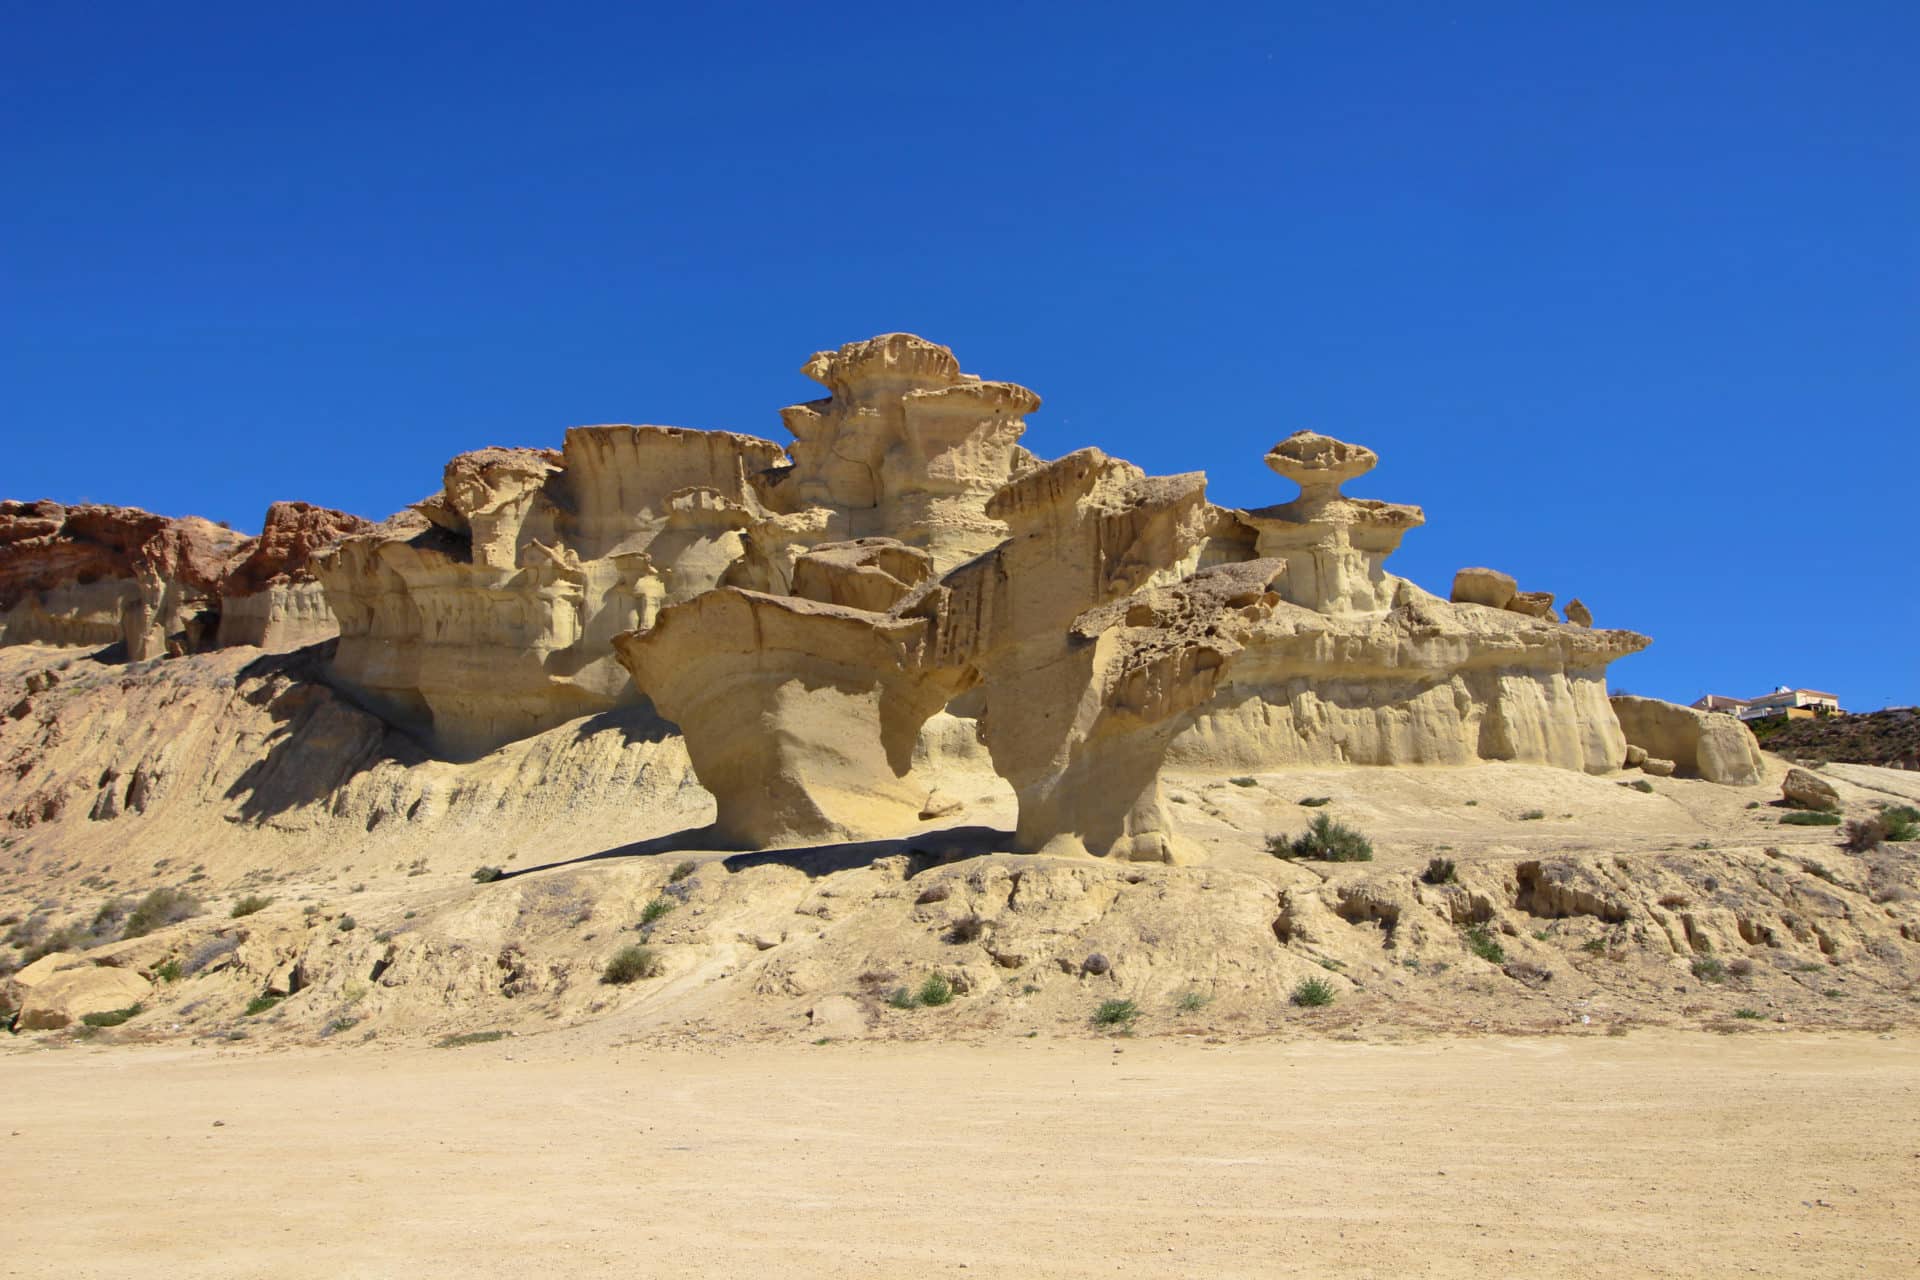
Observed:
{"x":1653,"y":1154}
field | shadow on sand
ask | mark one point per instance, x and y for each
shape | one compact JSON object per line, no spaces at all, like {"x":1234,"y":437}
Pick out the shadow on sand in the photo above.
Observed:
{"x":924,"y":849}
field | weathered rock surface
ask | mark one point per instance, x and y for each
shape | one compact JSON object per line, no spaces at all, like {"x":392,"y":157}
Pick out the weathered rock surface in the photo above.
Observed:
{"x":1578,"y":614}
{"x":1488,"y":587}
{"x":1805,"y":790}
{"x":66,"y":995}
{"x":1701,"y":744}
{"x":95,"y":575}
{"x":269,"y":597}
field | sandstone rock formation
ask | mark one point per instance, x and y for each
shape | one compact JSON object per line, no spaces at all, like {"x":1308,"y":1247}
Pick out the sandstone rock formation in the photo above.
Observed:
{"x":1489,"y":587}
{"x":56,"y":994}
{"x":1805,"y":790}
{"x":1701,"y":744}
{"x":269,"y":597}
{"x":94,"y":575}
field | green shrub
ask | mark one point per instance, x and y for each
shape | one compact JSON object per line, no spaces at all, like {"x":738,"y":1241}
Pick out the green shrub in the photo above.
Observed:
{"x":935,"y":991}
{"x":1312,"y":993}
{"x":1751,"y":1015}
{"x":1115,"y":1013}
{"x":159,"y":909}
{"x":1481,"y":942}
{"x":1902,"y":823}
{"x":682,"y":871}
{"x":487,"y":875}
{"x":1193,"y":1001}
{"x":901,"y":998}
{"x":262,"y":1003}
{"x":1315,"y":802}
{"x":1594,"y":946}
{"x":346,"y":924}
{"x":1440,"y":871}
{"x":1326,"y":841}
{"x":112,"y":1018}
{"x":654,"y":910}
{"x":1244,"y":782}
{"x":1641,"y":785}
{"x":168,"y":970}
{"x":1809,"y":818}
{"x":1533,"y":815}
{"x":630,"y":964}
{"x":251,"y":903}
{"x":1709,"y":969}
{"x":466,"y":1038}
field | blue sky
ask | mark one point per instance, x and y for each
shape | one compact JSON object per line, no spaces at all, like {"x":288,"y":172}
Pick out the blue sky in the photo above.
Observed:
{"x":1627,"y":296}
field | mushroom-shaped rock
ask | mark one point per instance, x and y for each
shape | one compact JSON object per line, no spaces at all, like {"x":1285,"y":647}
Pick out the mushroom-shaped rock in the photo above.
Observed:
{"x":1335,"y":547}
{"x":800,"y":717}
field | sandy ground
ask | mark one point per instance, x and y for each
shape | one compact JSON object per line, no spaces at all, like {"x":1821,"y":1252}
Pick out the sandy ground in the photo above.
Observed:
{"x":1655,"y":1154}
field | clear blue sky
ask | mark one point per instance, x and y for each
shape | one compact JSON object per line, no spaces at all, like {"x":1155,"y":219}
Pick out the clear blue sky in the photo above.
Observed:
{"x":1626,"y":295}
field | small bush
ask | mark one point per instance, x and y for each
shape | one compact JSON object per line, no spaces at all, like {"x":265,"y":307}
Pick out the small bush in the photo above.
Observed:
{"x":466,"y":1038}
{"x":1594,"y":946}
{"x":111,"y":1018}
{"x":1709,"y":969}
{"x":967,"y":928}
{"x":901,"y":998}
{"x":1902,"y":823}
{"x":1751,"y":1015}
{"x":1533,"y":815}
{"x":250,"y":904}
{"x":262,"y":1003}
{"x":1740,"y":967}
{"x":1863,"y":835}
{"x":654,"y":910}
{"x":1326,"y":841}
{"x":682,"y":871}
{"x":346,"y":924}
{"x":159,"y":909}
{"x":1641,"y":785}
{"x":168,"y":970}
{"x":1440,"y":871}
{"x":1115,"y":1013}
{"x":935,"y":991}
{"x":631,"y":964}
{"x":1312,"y":993}
{"x":1192,"y":1001}
{"x":1244,"y":782}
{"x":1315,"y":802}
{"x":1482,"y":943}
{"x":487,"y":875}
{"x":1809,"y":818}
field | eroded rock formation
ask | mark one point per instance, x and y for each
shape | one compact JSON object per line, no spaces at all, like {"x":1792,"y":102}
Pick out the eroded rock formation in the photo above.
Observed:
{"x":803,"y":615}
{"x":95,"y":575}
{"x":1700,"y":744}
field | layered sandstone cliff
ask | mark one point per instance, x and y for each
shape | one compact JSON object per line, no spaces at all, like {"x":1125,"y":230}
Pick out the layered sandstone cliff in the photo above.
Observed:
{"x":98,"y":575}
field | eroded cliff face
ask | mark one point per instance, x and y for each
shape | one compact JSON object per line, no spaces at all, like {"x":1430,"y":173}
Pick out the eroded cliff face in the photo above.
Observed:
{"x":97,"y":575}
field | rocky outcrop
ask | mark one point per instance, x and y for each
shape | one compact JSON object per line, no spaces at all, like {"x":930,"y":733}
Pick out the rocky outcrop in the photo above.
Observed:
{"x":488,"y":612}
{"x":1701,"y":744}
{"x":96,"y":575}
{"x":1488,"y":587}
{"x":269,"y":597}
{"x":64,"y":992}
{"x":492,"y":616}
